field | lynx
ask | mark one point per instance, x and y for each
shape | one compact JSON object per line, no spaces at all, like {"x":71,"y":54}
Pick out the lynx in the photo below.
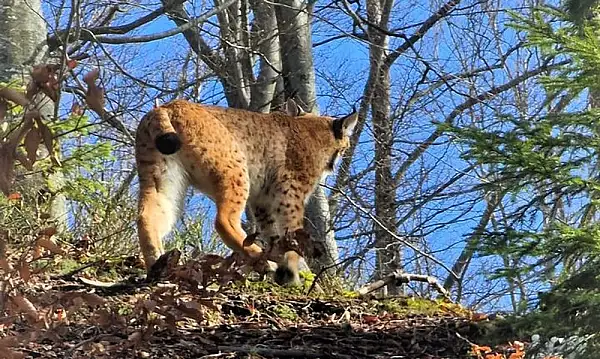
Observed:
{"x":270,"y":162}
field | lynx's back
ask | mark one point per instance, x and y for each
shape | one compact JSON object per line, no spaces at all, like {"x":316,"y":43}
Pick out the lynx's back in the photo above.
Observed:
{"x":270,"y":162}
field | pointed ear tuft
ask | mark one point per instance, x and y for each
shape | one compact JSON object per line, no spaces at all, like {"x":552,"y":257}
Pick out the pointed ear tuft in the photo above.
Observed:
{"x":293,"y":109}
{"x":344,"y":126}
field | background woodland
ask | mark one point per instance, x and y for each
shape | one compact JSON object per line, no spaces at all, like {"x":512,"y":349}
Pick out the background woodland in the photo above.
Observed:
{"x":475,"y":160}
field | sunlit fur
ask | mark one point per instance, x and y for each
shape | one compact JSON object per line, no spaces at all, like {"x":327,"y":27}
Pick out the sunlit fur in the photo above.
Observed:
{"x":272,"y":162}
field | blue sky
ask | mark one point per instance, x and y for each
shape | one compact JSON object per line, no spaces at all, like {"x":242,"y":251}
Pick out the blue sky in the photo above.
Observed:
{"x":342,"y":69}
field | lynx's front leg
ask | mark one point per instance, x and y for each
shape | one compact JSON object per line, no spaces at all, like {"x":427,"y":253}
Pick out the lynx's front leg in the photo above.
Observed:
{"x":288,"y":212}
{"x":268,"y":232}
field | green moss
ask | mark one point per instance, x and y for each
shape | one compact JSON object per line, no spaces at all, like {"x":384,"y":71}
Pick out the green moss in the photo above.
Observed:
{"x":63,"y":266}
{"x":268,"y":287}
{"x":284,"y":311}
{"x":213,"y":317}
{"x":423,"y":306}
{"x":349,"y":294}
{"x":415,"y":305}
{"x":307,"y":277}
{"x":256,"y":287}
{"x":125,"y":309}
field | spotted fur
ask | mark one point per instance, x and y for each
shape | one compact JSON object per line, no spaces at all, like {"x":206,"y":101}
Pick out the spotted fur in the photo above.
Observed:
{"x":271,"y":162}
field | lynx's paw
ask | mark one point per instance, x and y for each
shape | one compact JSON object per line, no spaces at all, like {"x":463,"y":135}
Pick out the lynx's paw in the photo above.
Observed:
{"x":285,"y":276}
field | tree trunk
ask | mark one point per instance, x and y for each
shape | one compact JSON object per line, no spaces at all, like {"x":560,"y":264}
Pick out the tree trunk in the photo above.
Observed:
{"x":21,"y":30}
{"x":295,"y":39}
{"x":232,"y":28}
{"x":265,"y":33}
{"x":293,"y":21}
{"x":389,"y":252}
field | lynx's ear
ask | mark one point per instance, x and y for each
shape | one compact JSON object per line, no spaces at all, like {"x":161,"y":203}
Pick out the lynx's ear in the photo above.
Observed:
{"x":293,"y":109}
{"x":345,"y":125}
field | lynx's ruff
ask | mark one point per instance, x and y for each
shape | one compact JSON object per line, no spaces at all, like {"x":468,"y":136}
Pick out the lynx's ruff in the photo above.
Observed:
{"x":271,"y":162}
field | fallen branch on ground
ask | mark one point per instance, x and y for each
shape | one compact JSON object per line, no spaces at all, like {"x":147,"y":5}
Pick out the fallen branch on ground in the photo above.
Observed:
{"x":402,"y":278}
{"x":268,"y":352}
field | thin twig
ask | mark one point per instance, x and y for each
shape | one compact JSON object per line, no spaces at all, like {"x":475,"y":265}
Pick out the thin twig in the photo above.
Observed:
{"x":325,"y":269}
{"x":394,"y":235}
{"x":87,"y":341}
{"x":172,"y":32}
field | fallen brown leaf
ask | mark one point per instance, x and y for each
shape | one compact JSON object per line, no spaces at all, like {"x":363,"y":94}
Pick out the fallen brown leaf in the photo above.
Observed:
{"x":135,"y":337}
{"x":14,"y":196}
{"x":25,"y":306}
{"x":45,"y":78}
{"x":24,"y":271}
{"x":3,"y":109}
{"x":8,"y":151}
{"x":14,"y":96}
{"x":5,"y":348}
{"x":49,"y":245}
{"x":32,"y":142}
{"x":5,"y":265}
{"x":46,"y":134}
{"x":48,"y":231}
{"x":370,"y":319}
{"x":93,"y":299}
{"x":94,"y":96}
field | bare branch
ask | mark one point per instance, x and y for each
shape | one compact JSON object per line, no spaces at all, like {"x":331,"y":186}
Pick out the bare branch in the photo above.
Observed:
{"x":165,"y":34}
{"x":427,"y":25}
{"x":414,"y":155}
{"x":394,"y":235}
{"x":402,"y":278}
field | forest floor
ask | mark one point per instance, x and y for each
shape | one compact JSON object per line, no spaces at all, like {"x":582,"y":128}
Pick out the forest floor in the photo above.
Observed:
{"x":206,"y":310}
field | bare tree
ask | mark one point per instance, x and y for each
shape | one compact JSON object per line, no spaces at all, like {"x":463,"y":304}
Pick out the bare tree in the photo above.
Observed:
{"x":404,"y":199}
{"x":22,"y":28}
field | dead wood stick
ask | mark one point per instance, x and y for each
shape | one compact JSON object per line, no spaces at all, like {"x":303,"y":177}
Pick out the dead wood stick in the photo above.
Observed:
{"x":96,"y":338}
{"x":401,"y":278}
{"x":272,"y":353}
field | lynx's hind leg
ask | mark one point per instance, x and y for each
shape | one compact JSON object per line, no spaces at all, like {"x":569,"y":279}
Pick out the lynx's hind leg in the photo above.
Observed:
{"x":232,"y":194}
{"x":162,"y":186}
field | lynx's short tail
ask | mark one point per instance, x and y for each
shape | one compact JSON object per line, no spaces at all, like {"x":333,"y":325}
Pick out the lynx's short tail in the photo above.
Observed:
{"x":161,"y":129}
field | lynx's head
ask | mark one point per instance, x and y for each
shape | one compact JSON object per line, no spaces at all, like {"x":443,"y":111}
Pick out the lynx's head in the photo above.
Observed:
{"x":339,"y":129}
{"x":342,"y":130}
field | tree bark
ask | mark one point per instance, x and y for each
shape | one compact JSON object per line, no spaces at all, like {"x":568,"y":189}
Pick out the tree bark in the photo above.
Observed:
{"x":293,"y":21}
{"x":265,"y":33}
{"x":389,"y":252}
{"x":227,"y":76}
{"x":21,"y":30}
{"x":231,"y":30}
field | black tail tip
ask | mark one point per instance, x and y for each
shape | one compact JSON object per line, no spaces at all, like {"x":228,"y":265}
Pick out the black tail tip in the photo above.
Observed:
{"x":284,"y":276}
{"x":168,"y":143}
